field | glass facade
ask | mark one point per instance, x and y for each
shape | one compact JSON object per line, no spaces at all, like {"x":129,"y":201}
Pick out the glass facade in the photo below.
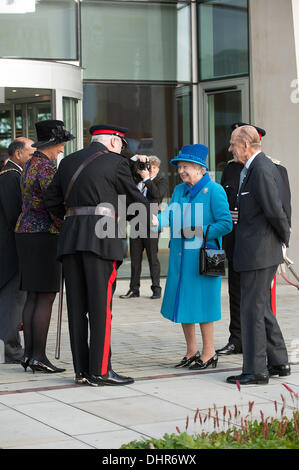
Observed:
{"x":223,"y":38}
{"x":140,"y":71}
{"x":158,"y":117}
{"x":136,"y":41}
{"x":47,"y":29}
{"x":225,"y":108}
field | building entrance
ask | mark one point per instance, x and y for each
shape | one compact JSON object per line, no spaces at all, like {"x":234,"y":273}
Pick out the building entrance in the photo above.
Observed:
{"x":20,"y":109}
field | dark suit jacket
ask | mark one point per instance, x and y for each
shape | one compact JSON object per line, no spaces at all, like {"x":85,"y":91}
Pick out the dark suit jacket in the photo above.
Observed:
{"x":10,"y":208}
{"x":156,"y":189}
{"x":263,"y":225}
{"x":102,"y":181}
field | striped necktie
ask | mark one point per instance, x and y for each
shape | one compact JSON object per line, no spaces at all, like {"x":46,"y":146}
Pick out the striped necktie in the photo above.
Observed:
{"x":242,"y":176}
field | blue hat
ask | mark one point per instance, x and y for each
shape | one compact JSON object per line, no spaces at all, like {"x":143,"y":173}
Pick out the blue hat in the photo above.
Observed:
{"x":192,"y":153}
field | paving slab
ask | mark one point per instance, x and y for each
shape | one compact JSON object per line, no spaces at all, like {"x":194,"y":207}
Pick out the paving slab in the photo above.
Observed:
{"x":40,"y":411}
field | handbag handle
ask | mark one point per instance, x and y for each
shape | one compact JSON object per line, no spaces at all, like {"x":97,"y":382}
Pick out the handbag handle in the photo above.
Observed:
{"x":206,"y":236}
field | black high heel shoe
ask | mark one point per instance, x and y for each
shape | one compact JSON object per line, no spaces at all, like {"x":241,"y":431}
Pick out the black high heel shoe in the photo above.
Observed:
{"x":24,"y":361}
{"x":199,"y":364}
{"x":187,"y":362}
{"x":38,"y":366}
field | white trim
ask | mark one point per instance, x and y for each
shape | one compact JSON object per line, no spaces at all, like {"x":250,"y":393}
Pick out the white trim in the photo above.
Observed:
{"x":241,"y":84}
{"x":65,"y":80}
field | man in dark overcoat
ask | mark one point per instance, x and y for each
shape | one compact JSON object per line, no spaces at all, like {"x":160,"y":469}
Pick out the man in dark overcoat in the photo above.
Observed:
{"x":230,"y":182}
{"x":11,"y":298}
{"x":261,"y":231}
{"x":154,"y":187}
{"x":90,"y":257}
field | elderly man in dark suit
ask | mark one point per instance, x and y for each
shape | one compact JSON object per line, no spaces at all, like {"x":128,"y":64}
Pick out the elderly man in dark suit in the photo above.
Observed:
{"x":230,"y":181}
{"x":86,"y":190}
{"x":11,"y":298}
{"x":261,"y":231}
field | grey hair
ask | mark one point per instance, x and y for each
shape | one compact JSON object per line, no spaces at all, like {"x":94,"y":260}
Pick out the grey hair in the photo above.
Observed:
{"x":154,"y":160}
{"x":200,"y":168}
{"x":102,"y":138}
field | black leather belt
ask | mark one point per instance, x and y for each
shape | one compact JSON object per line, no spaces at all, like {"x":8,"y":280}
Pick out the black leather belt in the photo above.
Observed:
{"x":90,"y":210}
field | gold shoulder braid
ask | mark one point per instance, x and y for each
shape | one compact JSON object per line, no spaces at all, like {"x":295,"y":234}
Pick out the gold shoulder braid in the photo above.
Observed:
{"x":276,"y":162}
{"x":10,"y":169}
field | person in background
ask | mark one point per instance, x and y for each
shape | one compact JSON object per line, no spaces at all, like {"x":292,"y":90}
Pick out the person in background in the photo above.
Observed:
{"x":189,"y":297}
{"x":11,"y":298}
{"x":154,"y":187}
{"x":36,"y":238}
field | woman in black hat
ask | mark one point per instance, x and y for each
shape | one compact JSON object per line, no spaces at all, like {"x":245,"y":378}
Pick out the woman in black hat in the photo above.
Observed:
{"x":36,"y":238}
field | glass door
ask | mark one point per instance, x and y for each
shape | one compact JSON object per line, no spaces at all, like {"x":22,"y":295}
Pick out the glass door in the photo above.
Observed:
{"x":223,"y":105}
{"x":70,"y":119}
{"x":21,"y":109}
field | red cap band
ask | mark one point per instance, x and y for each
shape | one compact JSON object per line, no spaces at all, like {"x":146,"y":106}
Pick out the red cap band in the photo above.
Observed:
{"x":260,"y":136}
{"x":105,"y":131}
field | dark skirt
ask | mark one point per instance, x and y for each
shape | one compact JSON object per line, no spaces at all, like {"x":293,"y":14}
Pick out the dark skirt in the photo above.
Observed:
{"x":39,"y":269}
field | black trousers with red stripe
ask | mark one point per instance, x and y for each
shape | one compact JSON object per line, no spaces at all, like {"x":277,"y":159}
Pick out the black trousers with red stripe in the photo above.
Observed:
{"x":90,"y":283}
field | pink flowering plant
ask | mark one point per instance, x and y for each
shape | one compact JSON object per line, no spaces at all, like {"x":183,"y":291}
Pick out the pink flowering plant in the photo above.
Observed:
{"x":231,"y":428}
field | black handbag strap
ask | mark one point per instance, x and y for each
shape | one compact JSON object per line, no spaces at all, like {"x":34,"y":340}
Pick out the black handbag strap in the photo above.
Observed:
{"x":206,"y":236}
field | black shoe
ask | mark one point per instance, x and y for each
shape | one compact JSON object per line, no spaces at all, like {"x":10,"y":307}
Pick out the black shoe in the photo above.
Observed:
{"x":129,"y":295}
{"x":156,"y":295}
{"x":187,"y":362}
{"x":81,"y":378}
{"x":24,"y":361}
{"x":13,"y":354}
{"x":199,"y":364}
{"x":282,"y":370}
{"x":38,"y":366}
{"x":230,"y":348}
{"x":111,"y":378}
{"x":248,"y":379}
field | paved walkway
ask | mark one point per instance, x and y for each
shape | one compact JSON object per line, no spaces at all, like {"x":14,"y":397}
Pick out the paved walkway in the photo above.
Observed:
{"x":39,"y":411}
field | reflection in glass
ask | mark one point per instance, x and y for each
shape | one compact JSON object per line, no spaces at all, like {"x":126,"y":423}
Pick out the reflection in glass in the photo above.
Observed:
{"x":70,"y":122}
{"x":135,"y":41}
{"x":5,"y":127}
{"x":158,"y":118}
{"x":223,"y":38}
{"x":47,"y":32}
{"x":224,"y":110}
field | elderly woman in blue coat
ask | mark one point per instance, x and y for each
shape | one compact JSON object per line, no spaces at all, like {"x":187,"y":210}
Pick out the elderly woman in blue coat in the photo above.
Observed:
{"x":189,"y":297}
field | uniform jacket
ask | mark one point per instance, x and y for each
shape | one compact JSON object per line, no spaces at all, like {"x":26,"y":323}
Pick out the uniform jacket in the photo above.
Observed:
{"x":101,"y":182}
{"x":263,"y":225}
{"x":190,"y":297}
{"x":230,"y":182}
{"x":10,"y":208}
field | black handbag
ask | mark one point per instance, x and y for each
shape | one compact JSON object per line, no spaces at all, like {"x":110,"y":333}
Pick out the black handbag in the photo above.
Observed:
{"x":211,"y":260}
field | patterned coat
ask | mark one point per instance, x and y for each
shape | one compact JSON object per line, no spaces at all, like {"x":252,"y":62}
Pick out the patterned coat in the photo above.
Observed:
{"x":38,"y":174}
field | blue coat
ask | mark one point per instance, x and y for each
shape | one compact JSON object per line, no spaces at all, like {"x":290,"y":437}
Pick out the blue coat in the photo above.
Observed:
{"x":190,"y":297}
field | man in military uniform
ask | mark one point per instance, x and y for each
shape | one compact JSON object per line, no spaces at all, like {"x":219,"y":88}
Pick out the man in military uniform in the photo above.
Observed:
{"x":230,"y":182}
{"x":89,"y":260}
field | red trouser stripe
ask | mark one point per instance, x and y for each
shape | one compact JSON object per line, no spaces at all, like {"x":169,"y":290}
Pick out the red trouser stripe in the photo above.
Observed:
{"x":108,"y":321}
{"x":273,"y":296}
